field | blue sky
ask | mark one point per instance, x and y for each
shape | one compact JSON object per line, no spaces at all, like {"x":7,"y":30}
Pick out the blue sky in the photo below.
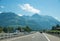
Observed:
{"x":30,"y":7}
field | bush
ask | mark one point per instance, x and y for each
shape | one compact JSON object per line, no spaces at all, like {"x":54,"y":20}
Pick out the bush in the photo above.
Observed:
{"x":27,"y":29}
{"x":1,"y":29}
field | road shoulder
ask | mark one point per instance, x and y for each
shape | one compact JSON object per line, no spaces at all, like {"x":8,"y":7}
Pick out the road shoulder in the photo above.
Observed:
{"x":52,"y":37}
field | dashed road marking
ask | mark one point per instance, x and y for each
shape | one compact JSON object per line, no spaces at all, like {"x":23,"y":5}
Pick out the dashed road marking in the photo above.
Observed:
{"x":33,"y":36}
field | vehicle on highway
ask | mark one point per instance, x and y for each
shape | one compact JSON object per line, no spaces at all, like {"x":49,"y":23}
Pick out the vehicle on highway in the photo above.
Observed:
{"x":41,"y":32}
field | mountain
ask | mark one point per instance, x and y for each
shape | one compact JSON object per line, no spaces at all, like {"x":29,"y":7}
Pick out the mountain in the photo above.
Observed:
{"x":9,"y":18}
{"x":35,"y":22}
{"x":45,"y":22}
{"x":36,"y":16}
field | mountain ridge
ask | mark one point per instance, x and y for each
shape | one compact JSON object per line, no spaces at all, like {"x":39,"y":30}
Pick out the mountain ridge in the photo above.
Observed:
{"x":36,"y":21}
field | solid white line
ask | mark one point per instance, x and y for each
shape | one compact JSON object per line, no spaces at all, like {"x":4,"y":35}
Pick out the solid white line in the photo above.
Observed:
{"x":46,"y":37}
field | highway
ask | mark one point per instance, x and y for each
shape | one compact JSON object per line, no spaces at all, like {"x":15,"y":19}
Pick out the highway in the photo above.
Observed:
{"x":52,"y":37}
{"x":32,"y":37}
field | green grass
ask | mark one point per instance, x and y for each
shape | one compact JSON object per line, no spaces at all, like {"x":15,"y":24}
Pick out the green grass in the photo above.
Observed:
{"x":53,"y":31}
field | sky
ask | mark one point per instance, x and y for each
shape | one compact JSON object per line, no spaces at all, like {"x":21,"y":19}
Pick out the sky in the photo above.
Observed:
{"x":30,"y":7}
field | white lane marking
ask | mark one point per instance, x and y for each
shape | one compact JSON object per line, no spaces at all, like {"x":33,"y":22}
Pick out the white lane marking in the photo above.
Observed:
{"x":33,"y":36}
{"x":46,"y":37}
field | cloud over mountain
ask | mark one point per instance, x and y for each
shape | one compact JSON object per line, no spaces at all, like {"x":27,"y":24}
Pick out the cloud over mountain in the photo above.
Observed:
{"x":29,"y":8}
{"x":19,"y":14}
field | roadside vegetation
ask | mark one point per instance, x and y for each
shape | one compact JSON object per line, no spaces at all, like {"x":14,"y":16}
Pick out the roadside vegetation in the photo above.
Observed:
{"x":55,"y":29}
{"x":10,"y":29}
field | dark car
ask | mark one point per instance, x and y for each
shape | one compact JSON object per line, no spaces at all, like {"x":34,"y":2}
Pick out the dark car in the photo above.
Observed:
{"x":40,"y":32}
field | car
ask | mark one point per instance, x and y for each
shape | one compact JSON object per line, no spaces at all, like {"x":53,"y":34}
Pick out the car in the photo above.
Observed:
{"x":40,"y":32}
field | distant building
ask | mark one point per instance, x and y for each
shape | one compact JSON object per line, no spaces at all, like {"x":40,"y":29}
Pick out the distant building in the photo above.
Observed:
{"x":17,"y":31}
{"x":58,"y":28}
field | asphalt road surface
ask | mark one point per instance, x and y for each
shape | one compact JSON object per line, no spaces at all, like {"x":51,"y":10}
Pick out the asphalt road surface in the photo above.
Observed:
{"x":32,"y":37}
{"x":52,"y":37}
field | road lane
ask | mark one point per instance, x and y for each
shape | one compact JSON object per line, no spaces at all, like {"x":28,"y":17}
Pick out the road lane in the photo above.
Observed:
{"x":46,"y":36}
{"x":52,"y":37}
{"x":32,"y":37}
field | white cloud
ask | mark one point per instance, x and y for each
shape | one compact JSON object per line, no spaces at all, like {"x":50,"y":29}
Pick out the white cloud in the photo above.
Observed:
{"x":57,"y":18}
{"x":20,"y":15}
{"x":0,"y":12}
{"x":29,"y":8}
{"x":2,"y":7}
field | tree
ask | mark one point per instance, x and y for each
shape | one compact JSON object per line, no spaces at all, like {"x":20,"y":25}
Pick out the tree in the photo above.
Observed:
{"x":27,"y":29}
{"x":57,"y":25}
{"x":53,"y":27}
{"x":1,"y":29}
{"x":10,"y":29}
{"x":44,"y":30}
{"x":19,"y":28}
{"x":5,"y":29}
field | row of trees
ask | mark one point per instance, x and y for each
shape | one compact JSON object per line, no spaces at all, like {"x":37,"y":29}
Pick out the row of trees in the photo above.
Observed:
{"x":6,"y":29}
{"x":27,"y":29}
{"x":12,"y":29}
{"x":55,"y":27}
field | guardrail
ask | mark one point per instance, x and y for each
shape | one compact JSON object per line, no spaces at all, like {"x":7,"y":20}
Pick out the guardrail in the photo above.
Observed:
{"x":11,"y":35}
